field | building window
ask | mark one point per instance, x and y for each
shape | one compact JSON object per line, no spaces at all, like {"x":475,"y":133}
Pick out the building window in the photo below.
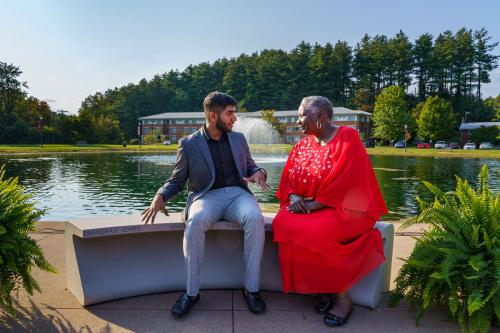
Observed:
{"x":289,"y":139}
{"x":296,"y":138}
{"x":288,"y":129}
{"x":146,"y":130}
{"x":173,"y":137}
{"x":180,"y":121}
{"x":173,"y":129}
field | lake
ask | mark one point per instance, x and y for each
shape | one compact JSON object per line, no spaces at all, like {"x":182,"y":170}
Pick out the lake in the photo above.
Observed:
{"x":82,"y":185}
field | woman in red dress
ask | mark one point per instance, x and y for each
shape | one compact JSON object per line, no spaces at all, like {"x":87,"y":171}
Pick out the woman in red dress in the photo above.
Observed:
{"x":329,"y":202}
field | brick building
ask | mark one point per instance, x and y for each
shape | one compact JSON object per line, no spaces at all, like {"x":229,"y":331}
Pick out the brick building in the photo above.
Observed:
{"x":467,"y":128}
{"x":174,"y":125}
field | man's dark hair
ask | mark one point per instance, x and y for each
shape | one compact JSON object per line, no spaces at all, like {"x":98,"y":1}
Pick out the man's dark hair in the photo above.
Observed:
{"x":216,"y":102}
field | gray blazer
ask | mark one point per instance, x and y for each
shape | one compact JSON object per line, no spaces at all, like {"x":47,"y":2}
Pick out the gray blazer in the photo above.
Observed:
{"x":194,"y":162}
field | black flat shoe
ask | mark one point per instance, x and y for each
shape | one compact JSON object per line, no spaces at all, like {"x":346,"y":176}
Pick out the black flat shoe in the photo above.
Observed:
{"x":323,"y":306}
{"x":254,"y":301}
{"x":334,"y":320}
{"x":184,"y":304}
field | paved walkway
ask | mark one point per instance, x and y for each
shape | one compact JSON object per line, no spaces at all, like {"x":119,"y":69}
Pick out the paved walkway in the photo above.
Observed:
{"x":56,"y":310}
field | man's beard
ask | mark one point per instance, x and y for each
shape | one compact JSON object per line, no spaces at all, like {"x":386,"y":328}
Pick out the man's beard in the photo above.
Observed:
{"x":221,"y":126}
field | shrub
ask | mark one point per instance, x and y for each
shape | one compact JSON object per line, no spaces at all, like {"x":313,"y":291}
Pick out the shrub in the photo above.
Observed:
{"x":133,"y":142}
{"x":456,"y":262}
{"x":19,"y":253}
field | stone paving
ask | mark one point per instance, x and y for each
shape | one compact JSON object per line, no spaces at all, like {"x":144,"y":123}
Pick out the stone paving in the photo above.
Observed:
{"x":56,"y":310}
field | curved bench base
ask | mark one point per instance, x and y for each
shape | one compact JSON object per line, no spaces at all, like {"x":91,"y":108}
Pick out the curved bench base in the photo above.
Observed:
{"x":115,"y":257}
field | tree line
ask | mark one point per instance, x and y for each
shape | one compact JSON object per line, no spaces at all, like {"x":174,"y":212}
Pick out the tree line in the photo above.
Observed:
{"x":453,"y":66}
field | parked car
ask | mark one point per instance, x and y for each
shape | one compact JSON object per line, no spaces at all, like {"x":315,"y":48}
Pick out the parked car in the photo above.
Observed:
{"x":469,"y":146}
{"x":424,"y":145}
{"x":166,"y":142}
{"x":399,"y":144}
{"x":454,"y":145}
{"x":441,"y":145}
{"x":485,"y":145}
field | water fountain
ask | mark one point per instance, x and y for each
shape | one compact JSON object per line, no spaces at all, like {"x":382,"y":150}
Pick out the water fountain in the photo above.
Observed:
{"x":256,"y":131}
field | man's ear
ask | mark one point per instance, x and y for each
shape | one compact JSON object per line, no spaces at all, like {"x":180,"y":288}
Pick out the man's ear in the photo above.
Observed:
{"x":212,"y":116}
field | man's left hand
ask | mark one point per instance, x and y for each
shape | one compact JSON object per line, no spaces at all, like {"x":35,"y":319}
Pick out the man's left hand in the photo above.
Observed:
{"x":258,"y":178}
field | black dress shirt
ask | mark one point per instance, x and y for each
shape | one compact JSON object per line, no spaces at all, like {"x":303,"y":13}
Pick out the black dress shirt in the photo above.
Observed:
{"x":226,"y":173}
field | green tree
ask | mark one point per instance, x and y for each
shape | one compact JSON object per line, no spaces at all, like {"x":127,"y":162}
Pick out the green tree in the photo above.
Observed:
{"x":463,"y":64}
{"x":442,"y":63}
{"x":493,"y":103}
{"x":300,"y":82}
{"x":268,"y":115}
{"x":271,"y":80}
{"x":415,"y":114}
{"x":484,"y":61}
{"x":402,"y":65}
{"x":436,"y":120}
{"x":422,"y":54}
{"x":488,"y":134}
{"x":342,"y":73}
{"x":101,"y":125}
{"x":390,"y":114}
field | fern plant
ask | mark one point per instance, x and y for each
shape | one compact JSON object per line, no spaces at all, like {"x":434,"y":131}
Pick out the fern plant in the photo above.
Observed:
{"x":19,"y":253}
{"x":456,"y":262}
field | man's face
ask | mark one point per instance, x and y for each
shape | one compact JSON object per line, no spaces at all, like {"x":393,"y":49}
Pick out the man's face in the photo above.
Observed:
{"x":226,"y":119}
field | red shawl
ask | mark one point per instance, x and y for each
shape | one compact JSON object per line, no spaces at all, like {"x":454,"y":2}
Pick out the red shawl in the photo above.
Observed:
{"x":349,"y":182}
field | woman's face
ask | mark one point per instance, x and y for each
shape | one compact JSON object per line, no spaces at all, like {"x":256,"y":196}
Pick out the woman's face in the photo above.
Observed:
{"x":307,"y":120}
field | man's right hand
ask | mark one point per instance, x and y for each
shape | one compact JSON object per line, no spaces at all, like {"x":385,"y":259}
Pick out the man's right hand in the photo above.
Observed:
{"x":157,"y":205}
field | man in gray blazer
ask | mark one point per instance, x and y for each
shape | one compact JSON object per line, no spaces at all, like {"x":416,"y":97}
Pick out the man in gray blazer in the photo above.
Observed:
{"x":218,"y":165}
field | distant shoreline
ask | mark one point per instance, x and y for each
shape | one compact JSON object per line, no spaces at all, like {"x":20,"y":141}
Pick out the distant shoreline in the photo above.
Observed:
{"x":50,"y":149}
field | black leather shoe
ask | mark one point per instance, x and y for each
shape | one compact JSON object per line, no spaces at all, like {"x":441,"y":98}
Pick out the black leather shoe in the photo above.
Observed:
{"x":334,"y":320}
{"x":184,"y":304}
{"x":254,"y":301}
{"x":323,"y":306}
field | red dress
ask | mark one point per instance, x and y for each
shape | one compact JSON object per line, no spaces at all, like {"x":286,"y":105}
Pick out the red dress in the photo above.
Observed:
{"x":330,"y":249}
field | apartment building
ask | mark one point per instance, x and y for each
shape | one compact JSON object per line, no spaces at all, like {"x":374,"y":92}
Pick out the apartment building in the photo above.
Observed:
{"x":172,"y":126}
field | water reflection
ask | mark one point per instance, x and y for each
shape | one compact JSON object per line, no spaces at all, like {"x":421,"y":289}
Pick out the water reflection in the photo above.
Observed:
{"x":82,"y":185}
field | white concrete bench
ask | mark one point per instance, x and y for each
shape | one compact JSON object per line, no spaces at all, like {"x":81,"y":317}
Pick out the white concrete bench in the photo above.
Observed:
{"x":114,"y":257}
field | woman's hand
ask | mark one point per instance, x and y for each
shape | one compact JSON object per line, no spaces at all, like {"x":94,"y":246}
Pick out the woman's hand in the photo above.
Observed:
{"x":299,"y":206}
{"x":304,"y":206}
{"x":294,"y":198}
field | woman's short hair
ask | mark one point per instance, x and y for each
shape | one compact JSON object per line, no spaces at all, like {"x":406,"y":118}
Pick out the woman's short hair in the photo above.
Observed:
{"x":322,"y":104}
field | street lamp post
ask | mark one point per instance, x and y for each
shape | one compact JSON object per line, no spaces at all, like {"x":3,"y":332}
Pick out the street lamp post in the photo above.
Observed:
{"x":53,"y":125}
{"x":40,"y":130}
{"x":406,"y":136}
{"x":139,"y":133}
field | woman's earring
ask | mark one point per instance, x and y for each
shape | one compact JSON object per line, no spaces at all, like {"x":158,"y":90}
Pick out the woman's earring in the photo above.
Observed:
{"x":319,"y":124}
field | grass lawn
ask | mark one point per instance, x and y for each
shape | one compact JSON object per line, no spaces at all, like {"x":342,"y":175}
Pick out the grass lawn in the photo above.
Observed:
{"x":413,"y":151}
{"x":267,"y":148}
{"x":93,"y":148}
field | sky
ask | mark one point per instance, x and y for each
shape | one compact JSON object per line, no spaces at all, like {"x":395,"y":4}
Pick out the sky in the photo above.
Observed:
{"x":69,"y":50}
